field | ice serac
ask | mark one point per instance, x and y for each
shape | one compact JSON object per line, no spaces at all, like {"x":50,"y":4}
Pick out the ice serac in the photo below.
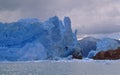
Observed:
{"x":68,"y":31}
{"x":30,"y":39}
{"x":70,"y":39}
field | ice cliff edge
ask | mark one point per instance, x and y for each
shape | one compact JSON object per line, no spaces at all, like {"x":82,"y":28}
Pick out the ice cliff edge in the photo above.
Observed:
{"x":30,"y":39}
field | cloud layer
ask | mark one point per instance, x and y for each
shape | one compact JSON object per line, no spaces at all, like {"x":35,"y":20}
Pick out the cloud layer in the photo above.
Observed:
{"x":88,"y":16}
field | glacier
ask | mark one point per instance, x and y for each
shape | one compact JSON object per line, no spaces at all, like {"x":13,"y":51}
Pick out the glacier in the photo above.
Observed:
{"x":29,"y":39}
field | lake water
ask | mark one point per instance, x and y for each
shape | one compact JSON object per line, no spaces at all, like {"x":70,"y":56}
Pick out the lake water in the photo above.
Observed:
{"x":60,"y":68}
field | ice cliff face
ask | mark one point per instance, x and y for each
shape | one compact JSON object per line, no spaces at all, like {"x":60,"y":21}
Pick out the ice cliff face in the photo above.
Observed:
{"x":30,"y":39}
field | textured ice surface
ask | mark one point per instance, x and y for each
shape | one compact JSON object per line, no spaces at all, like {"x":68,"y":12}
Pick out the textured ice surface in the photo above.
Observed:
{"x":30,"y":39}
{"x":107,"y":44}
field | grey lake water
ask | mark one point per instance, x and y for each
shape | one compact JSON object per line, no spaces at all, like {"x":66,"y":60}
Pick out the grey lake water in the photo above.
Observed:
{"x":60,"y":68}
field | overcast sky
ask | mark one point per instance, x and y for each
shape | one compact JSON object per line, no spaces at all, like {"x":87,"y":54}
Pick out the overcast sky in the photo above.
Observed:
{"x":88,"y":16}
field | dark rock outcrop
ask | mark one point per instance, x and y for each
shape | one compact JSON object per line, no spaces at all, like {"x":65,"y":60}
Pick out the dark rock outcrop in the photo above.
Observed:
{"x":108,"y":55}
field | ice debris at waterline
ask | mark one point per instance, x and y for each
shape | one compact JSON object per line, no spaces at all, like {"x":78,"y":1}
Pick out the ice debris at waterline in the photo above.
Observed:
{"x":30,"y":39}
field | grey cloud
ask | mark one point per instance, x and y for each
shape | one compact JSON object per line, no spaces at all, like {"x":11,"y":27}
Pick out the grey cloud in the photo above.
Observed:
{"x":100,"y":28}
{"x":86,"y":15}
{"x":9,"y":5}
